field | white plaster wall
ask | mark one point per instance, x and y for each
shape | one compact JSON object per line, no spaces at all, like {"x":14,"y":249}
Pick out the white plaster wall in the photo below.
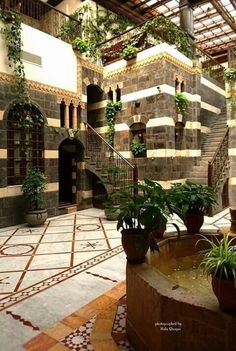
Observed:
{"x":59,"y":64}
{"x":70,"y":6}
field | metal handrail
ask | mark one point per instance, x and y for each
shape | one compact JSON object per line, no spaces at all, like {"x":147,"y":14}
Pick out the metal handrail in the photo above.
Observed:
{"x":214,"y":160}
{"x":109,"y":146}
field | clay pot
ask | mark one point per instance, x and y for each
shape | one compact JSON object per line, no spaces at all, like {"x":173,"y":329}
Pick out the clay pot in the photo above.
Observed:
{"x":225,"y":292}
{"x":35,"y":218}
{"x":193,"y":222}
{"x":136,"y":244}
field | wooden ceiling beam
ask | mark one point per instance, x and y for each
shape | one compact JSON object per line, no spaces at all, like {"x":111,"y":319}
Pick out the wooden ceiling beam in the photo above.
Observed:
{"x":122,"y":10}
{"x":224,"y":14}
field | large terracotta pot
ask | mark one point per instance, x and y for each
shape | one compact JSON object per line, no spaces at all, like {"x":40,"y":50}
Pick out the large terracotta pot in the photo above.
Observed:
{"x":225,"y":292}
{"x":193,"y":222}
{"x":35,"y":218}
{"x":136,"y":244}
{"x":159,"y":232}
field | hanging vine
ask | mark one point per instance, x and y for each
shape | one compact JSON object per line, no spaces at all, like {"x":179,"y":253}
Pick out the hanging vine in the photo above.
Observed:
{"x":111,"y":111}
{"x":25,"y":112}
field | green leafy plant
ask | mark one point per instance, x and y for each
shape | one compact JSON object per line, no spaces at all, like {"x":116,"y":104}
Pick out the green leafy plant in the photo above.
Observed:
{"x":230,"y":75}
{"x":220,"y":259}
{"x":12,"y":34}
{"x":33,"y":187}
{"x":79,"y":44}
{"x":181,"y":103}
{"x":161,"y":29}
{"x":128,"y":52}
{"x":135,"y":214}
{"x":70,"y":29}
{"x":25,"y":112}
{"x":111,"y":111}
{"x":191,"y":198}
{"x":156,"y":195}
{"x":138,"y":148}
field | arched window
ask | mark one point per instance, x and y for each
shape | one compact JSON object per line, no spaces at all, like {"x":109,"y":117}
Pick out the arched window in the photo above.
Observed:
{"x":118,"y":93}
{"x":62,"y":114}
{"x":110,"y":95}
{"x":138,"y":139}
{"x":24,"y":141}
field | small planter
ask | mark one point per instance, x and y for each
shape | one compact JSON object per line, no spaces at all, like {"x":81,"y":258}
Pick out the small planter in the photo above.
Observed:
{"x":225,"y":292}
{"x":136,"y":244}
{"x":193,"y":222}
{"x":130,"y":57}
{"x":111,"y":213}
{"x":36,"y":218}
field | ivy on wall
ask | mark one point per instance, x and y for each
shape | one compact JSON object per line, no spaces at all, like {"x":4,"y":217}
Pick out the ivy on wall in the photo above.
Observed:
{"x":24,"y":110}
{"x":97,"y":26}
{"x":111,"y":111}
{"x":161,"y":29}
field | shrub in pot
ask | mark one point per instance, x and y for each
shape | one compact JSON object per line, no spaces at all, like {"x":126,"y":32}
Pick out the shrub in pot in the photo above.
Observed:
{"x":191,"y":202}
{"x":111,"y":200}
{"x":156,"y":195}
{"x":79,"y":45}
{"x":129,"y":52}
{"x":219,"y":261}
{"x":138,"y":148}
{"x":136,"y":220}
{"x":33,"y":187}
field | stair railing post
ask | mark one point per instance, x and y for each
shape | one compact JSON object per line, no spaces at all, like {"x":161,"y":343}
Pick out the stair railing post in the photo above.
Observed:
{"x":135,"y":179}
{"x":210,"y":182}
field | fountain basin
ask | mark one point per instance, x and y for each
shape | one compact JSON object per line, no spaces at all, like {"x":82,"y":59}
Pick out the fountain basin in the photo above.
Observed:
{"x":164,"y":315}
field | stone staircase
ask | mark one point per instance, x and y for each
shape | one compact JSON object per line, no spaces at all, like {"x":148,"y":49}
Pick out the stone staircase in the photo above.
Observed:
{"x":199,"y":173}
{"x":101,"y":156}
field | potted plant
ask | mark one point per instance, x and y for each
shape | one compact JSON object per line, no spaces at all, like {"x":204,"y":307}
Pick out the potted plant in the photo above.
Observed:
{"x":181,"y":103}
{"x":136,"y":220}
{"x":33,"y":187}
{"x":219,"y":261}
{"x":79,"y":45}
{"x":129,"y":52}
{"x":230,"y":75}
{"x":156,"y":195}
{"x":138,"y":148}
{"x":111,"y":200}
{"x":191,"y":202}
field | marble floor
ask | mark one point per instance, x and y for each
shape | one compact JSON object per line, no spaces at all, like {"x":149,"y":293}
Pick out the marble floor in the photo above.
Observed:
{"x":47,"y":273}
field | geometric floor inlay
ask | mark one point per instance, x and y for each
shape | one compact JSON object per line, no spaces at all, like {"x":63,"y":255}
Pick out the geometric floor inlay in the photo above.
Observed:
{"x":79,"y":340}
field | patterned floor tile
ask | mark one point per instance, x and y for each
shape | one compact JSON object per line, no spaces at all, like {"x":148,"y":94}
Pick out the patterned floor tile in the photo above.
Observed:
{"x":79,"y":340}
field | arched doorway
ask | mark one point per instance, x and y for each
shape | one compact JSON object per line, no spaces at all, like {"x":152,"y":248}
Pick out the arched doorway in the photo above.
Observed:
{"x":225,"y":194}
{"x":95,"y":112}
{"x":70,"y":152}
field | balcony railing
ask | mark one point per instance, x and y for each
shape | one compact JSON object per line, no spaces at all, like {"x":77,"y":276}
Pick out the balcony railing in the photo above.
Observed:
{"x":40,"y":15}
{"x":209,"y":65}
{"x":232,"y":57}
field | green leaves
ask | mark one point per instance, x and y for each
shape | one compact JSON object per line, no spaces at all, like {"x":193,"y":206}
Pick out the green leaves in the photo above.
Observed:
{"x":137,"y":147}
{"x":111,"y":110}
{"x":230,"y":74}
{"x":191,"y":197}
{"x":80,"y":45}
{"x":12,"y":33}
{"x":181,"y":103}
{"x":220,"y":258}
{"x":33,"y":186}
{"x":129,"y":51}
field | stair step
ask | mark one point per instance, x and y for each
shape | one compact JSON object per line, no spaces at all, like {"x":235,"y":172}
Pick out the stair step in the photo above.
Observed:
{"x":198,"y":180}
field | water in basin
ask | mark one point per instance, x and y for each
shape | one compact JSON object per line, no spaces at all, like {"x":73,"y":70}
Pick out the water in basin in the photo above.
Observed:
{"x":185,"y":272}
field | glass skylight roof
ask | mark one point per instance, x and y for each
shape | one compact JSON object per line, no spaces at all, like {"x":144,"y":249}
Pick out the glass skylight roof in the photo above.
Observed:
{"x":211,"y":29}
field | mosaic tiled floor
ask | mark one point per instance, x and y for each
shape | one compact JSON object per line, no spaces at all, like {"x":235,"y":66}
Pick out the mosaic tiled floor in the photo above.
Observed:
{"x":47,"y":273}
{"x":100,"y":325}
{"x":30,"y":255}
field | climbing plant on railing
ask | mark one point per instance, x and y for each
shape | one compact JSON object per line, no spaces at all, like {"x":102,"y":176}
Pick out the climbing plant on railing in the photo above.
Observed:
{"x":111,"y":110}
{"x":23,"y":104}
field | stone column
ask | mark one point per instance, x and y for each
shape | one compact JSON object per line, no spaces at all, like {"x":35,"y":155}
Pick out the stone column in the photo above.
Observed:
{"x":74,"y":117}
{"x":186,"y":17}
{"x":66,"y":115}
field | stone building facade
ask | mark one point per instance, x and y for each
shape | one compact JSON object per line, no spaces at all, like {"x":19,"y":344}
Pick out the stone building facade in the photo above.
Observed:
{"x":146,"y":86}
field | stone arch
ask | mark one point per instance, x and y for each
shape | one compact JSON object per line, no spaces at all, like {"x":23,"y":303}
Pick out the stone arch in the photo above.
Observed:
{"x":137,"y":119}
{"x":13,"y":102}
